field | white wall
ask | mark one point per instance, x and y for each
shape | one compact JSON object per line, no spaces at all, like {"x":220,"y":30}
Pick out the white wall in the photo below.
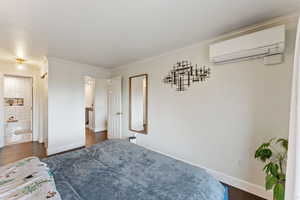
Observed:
{"x":217,"y":124}
{"x":66,"y":103}
{"x":2,"y":126}
{"x":101,"y":89}
{"x":11,"y":68}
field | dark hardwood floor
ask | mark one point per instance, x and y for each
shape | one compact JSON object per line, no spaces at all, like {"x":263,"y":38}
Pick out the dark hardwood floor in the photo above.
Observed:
{"x":16,"y":152}
{"x":92,"y":138}
{"x":237,"y":194}
{"x":12,"y":153}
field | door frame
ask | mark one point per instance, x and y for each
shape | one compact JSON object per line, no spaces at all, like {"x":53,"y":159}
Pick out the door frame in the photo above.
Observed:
{"x":85,"y":98}
{"x":33,"y":101}
{"x":2,"y":127}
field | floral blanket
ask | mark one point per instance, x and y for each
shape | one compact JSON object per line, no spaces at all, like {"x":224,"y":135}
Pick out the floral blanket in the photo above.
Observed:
{"x":26,"y":179}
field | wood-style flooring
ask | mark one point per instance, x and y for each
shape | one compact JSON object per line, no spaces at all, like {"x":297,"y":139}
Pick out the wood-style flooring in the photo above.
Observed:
{"x":11,"y":153}
{"x":237,"y":194}
{"x":92,"y":138}
{"x":16,"y":152}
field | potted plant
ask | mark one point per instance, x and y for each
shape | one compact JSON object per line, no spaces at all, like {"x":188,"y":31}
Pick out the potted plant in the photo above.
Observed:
{"x":274,"y":154}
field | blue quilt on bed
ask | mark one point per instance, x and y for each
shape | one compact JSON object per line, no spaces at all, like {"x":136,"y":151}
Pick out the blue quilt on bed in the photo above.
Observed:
{"x":119,"y":170}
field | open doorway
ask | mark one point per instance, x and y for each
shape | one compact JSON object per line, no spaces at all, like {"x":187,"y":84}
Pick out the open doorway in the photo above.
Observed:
{"x":18,"y":101}
{"x":95,"y":110}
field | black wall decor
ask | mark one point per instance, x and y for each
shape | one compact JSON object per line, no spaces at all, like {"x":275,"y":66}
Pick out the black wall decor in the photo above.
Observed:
{"x":184,"y":73}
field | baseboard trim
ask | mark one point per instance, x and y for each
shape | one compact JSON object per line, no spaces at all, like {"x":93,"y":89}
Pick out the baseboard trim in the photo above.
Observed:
{"x":235,"y":182}
{"x":55,"y":150}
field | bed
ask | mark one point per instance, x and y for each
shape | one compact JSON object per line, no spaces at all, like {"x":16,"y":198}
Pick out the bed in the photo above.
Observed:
{"x":119,"y":170}
{"x":27,"y":179}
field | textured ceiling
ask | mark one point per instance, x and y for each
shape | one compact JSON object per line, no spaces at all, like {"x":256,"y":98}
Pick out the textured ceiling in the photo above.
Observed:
{"x":111,"y":33}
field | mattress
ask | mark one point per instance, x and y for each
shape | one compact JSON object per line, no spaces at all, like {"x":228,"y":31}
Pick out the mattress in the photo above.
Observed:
{"x":120,"y":170}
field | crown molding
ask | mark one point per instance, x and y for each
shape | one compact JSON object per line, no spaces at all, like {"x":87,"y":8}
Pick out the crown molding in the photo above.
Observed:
{"x":289,"y":20}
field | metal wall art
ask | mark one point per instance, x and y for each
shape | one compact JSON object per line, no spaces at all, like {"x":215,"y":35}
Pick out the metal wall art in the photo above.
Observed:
{"x":184,"y":74}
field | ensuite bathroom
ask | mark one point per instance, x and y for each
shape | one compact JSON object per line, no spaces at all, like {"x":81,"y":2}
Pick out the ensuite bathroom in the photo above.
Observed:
{"x":18,"y":97}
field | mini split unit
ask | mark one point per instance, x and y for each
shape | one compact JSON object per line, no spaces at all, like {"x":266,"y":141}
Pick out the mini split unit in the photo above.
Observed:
{"x":268,"y":44}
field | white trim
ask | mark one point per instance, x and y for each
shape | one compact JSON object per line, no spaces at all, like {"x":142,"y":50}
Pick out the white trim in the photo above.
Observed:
{"x":235,"y":182}
{"x":292,"y":186}
{"x":70,"y":62}
{"x":54,"y":150}
{"x":34,"y":104}
{"x":240,"y":184}
{"x":2,"y":126}
{"x":102,"y":72}
{"x":289,"y":20}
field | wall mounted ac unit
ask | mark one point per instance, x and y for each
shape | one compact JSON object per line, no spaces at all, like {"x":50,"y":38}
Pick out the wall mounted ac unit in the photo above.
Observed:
{"x":254,"y":45}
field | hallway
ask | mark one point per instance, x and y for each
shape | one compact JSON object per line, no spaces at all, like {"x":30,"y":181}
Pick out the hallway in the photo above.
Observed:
{"x":12,"y":153}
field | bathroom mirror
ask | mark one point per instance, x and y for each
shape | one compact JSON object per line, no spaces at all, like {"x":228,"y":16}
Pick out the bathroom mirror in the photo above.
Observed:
{"x":138,"y":103}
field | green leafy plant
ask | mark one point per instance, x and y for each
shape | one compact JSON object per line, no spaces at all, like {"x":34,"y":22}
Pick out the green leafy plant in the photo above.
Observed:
{"x":274,"y":154}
